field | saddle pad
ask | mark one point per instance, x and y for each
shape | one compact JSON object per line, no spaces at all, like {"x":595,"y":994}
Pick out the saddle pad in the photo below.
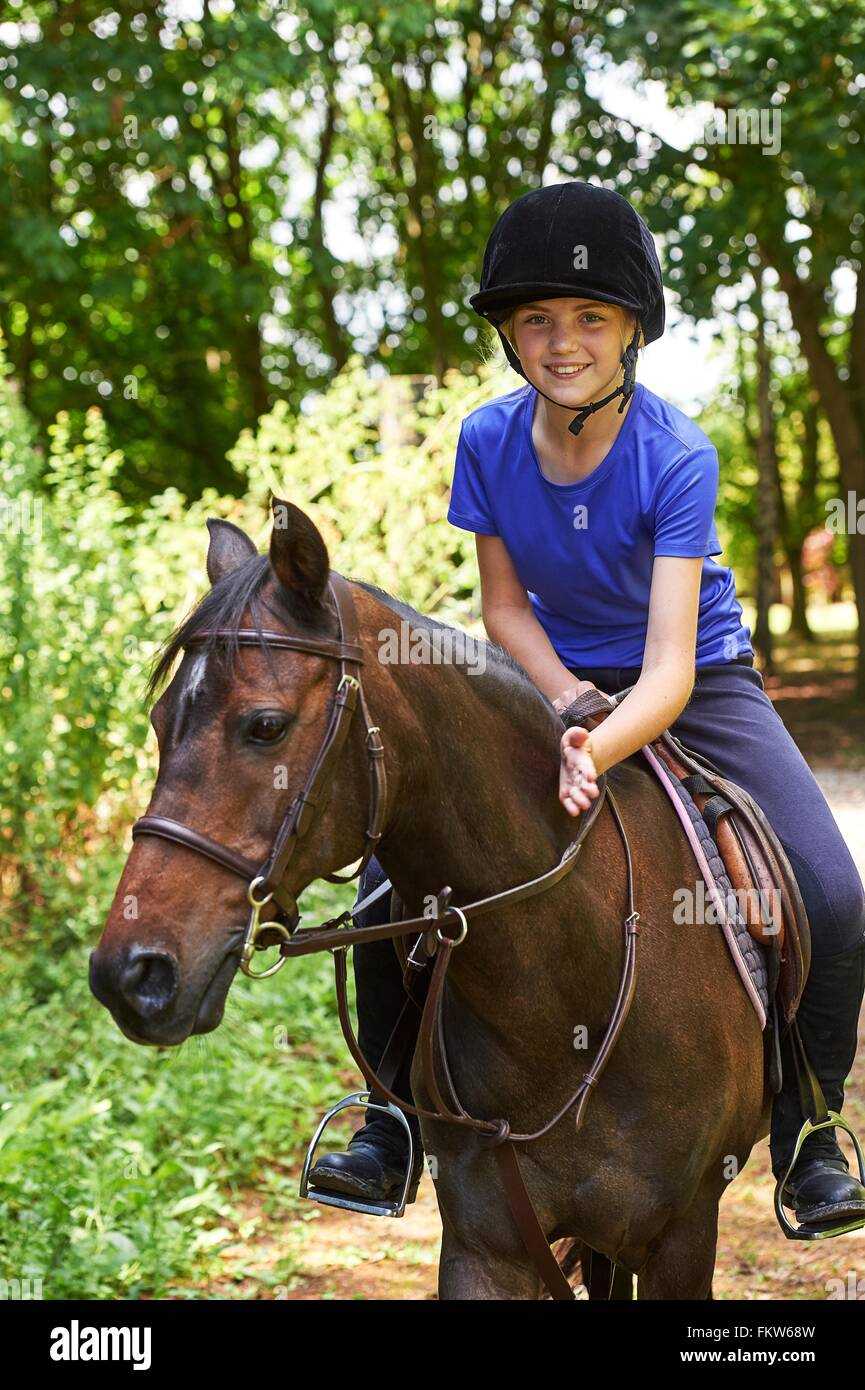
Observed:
{"x":749,"y":957}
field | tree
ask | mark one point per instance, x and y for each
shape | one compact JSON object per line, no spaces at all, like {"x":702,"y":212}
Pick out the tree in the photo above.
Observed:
{"x":791,"y":198}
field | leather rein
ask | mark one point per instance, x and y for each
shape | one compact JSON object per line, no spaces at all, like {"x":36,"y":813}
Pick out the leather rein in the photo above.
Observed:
{"x":265,"y":885}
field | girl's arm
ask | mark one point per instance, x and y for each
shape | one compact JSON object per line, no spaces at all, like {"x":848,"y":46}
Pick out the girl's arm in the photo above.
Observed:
{"x":510,"y":620}
{"x":667,"y":677}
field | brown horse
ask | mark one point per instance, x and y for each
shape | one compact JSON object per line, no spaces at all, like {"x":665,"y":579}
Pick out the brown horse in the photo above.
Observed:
{"x":472,"y":763}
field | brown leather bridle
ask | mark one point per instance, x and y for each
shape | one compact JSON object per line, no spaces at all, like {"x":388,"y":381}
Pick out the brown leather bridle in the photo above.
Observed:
{"x":265,"y":881}
{"x":265,"y":884}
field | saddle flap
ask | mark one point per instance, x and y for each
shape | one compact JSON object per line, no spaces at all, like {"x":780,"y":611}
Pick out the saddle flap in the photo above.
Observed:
{"x":756,"y":863}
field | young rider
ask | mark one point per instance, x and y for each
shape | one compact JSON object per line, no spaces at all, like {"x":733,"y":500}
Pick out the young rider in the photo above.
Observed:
{"x":595,"y":531}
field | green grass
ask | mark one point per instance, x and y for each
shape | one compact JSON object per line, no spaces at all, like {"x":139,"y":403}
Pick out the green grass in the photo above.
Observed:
{"x":122,"y":1167}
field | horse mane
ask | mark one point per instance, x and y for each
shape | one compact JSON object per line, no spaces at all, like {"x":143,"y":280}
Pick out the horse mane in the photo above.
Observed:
{"x":510,"y":679}
{"x":224,"y":605}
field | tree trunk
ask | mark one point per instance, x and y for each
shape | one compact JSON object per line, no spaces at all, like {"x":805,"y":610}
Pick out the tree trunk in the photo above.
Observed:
{"x":767,"y":482}
{"x":322,"y":260}
{"x":796,"y":523}
{"x":407,"y":113}
{"x":842,"y":411}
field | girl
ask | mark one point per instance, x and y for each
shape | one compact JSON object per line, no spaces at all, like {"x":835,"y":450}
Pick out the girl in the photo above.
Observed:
{"x":595,"y":531}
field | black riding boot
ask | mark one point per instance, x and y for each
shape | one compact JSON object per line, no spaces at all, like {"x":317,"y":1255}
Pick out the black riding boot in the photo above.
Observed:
{"x":373,"y":1166}
{"x":821,"y":1189}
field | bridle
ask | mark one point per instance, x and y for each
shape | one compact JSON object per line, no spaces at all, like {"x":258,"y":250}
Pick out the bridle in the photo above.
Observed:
{"x":265,"y":885}
{"x":265,"y":881}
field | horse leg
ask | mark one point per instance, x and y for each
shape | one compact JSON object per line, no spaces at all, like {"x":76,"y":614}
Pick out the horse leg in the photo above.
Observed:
{"x":474,"y":1272}
{"x":682,"y":1262}
{"x":604,"y":1279}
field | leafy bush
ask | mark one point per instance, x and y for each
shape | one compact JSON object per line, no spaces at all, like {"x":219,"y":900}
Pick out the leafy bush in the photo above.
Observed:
{"x":125,"y":1171}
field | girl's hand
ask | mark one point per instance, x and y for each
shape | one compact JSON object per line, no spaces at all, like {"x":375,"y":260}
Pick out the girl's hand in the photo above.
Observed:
{"x":568,"y":696}
{"x":578,"y":774}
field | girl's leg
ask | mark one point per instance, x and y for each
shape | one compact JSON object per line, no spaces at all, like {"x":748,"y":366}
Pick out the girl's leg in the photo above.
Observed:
{"x":821,"y":1187}
{"x":373,"y":1167}
{"x":732,"y":722}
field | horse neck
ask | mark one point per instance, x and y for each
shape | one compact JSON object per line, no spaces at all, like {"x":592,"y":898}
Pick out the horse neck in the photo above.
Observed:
{"x":473,"y":804}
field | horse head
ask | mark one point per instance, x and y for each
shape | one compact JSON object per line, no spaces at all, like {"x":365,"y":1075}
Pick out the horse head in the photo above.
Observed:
{"x":239,"y":728}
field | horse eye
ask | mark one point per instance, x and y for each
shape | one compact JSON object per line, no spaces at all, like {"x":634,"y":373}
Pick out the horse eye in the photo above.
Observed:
{"x":268,"y":728}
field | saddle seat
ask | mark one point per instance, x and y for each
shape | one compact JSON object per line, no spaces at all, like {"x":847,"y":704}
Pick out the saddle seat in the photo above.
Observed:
{"x":760,"y":873}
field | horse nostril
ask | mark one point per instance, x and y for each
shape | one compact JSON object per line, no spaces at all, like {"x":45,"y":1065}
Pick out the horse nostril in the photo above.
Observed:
{"x":149,"y":981}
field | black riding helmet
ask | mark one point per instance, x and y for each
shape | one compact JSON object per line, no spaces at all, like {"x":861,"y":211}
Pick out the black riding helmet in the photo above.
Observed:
{"x":573,"y":240}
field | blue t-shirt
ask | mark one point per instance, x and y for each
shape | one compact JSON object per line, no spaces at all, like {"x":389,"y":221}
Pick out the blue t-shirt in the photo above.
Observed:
{"x":585,"y":550}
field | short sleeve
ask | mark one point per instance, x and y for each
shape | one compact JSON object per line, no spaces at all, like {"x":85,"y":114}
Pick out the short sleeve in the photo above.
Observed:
{"x":685,"y":505}
{"x":469,"y":505}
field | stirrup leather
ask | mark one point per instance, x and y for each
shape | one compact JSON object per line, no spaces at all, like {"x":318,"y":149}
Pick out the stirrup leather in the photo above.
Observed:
{"x":361,"y":1099}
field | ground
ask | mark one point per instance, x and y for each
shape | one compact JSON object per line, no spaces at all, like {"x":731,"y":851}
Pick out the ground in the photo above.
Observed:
{"x":337,"y":1254}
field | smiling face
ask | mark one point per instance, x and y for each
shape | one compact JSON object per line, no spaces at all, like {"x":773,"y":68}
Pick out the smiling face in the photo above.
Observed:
{"x":570,"y":348}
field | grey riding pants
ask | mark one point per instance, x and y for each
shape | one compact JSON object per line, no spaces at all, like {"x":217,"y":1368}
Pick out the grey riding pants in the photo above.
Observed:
{"x":730,"y":721}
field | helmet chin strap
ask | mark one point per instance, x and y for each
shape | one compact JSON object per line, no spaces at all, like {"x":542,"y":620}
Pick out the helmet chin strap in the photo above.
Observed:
{"x":626,"y":390}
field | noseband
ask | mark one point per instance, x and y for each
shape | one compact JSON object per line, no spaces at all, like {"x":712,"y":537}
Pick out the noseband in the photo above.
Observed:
{"x":265,"y":881}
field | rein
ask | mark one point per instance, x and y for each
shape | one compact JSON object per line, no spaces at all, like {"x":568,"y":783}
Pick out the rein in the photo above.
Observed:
{"x":265,"y":885}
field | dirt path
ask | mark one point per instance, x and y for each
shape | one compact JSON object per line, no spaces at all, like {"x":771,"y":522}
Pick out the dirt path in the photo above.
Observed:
{"x":337,"y":1254}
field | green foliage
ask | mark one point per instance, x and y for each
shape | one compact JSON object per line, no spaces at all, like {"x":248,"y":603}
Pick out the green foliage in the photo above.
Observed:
{"x":89,"y":589}
{"x":381,"y":508}
{"x":122,"y":1168}
{"x":202,"y":216}
{"x":80,"y":611}
{"x":124,"y":1171}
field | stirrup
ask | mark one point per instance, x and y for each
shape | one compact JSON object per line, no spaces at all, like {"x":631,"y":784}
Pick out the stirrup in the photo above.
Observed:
{"x":341,"y":1199}
{"x":821,"y":1232}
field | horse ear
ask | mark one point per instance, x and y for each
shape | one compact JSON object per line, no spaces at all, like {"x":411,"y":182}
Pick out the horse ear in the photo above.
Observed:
{"x":229,"y":549}
{"x":298,"y":555}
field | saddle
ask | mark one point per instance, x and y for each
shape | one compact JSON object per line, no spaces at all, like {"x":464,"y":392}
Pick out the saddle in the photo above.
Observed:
{"x":757,"y":867}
